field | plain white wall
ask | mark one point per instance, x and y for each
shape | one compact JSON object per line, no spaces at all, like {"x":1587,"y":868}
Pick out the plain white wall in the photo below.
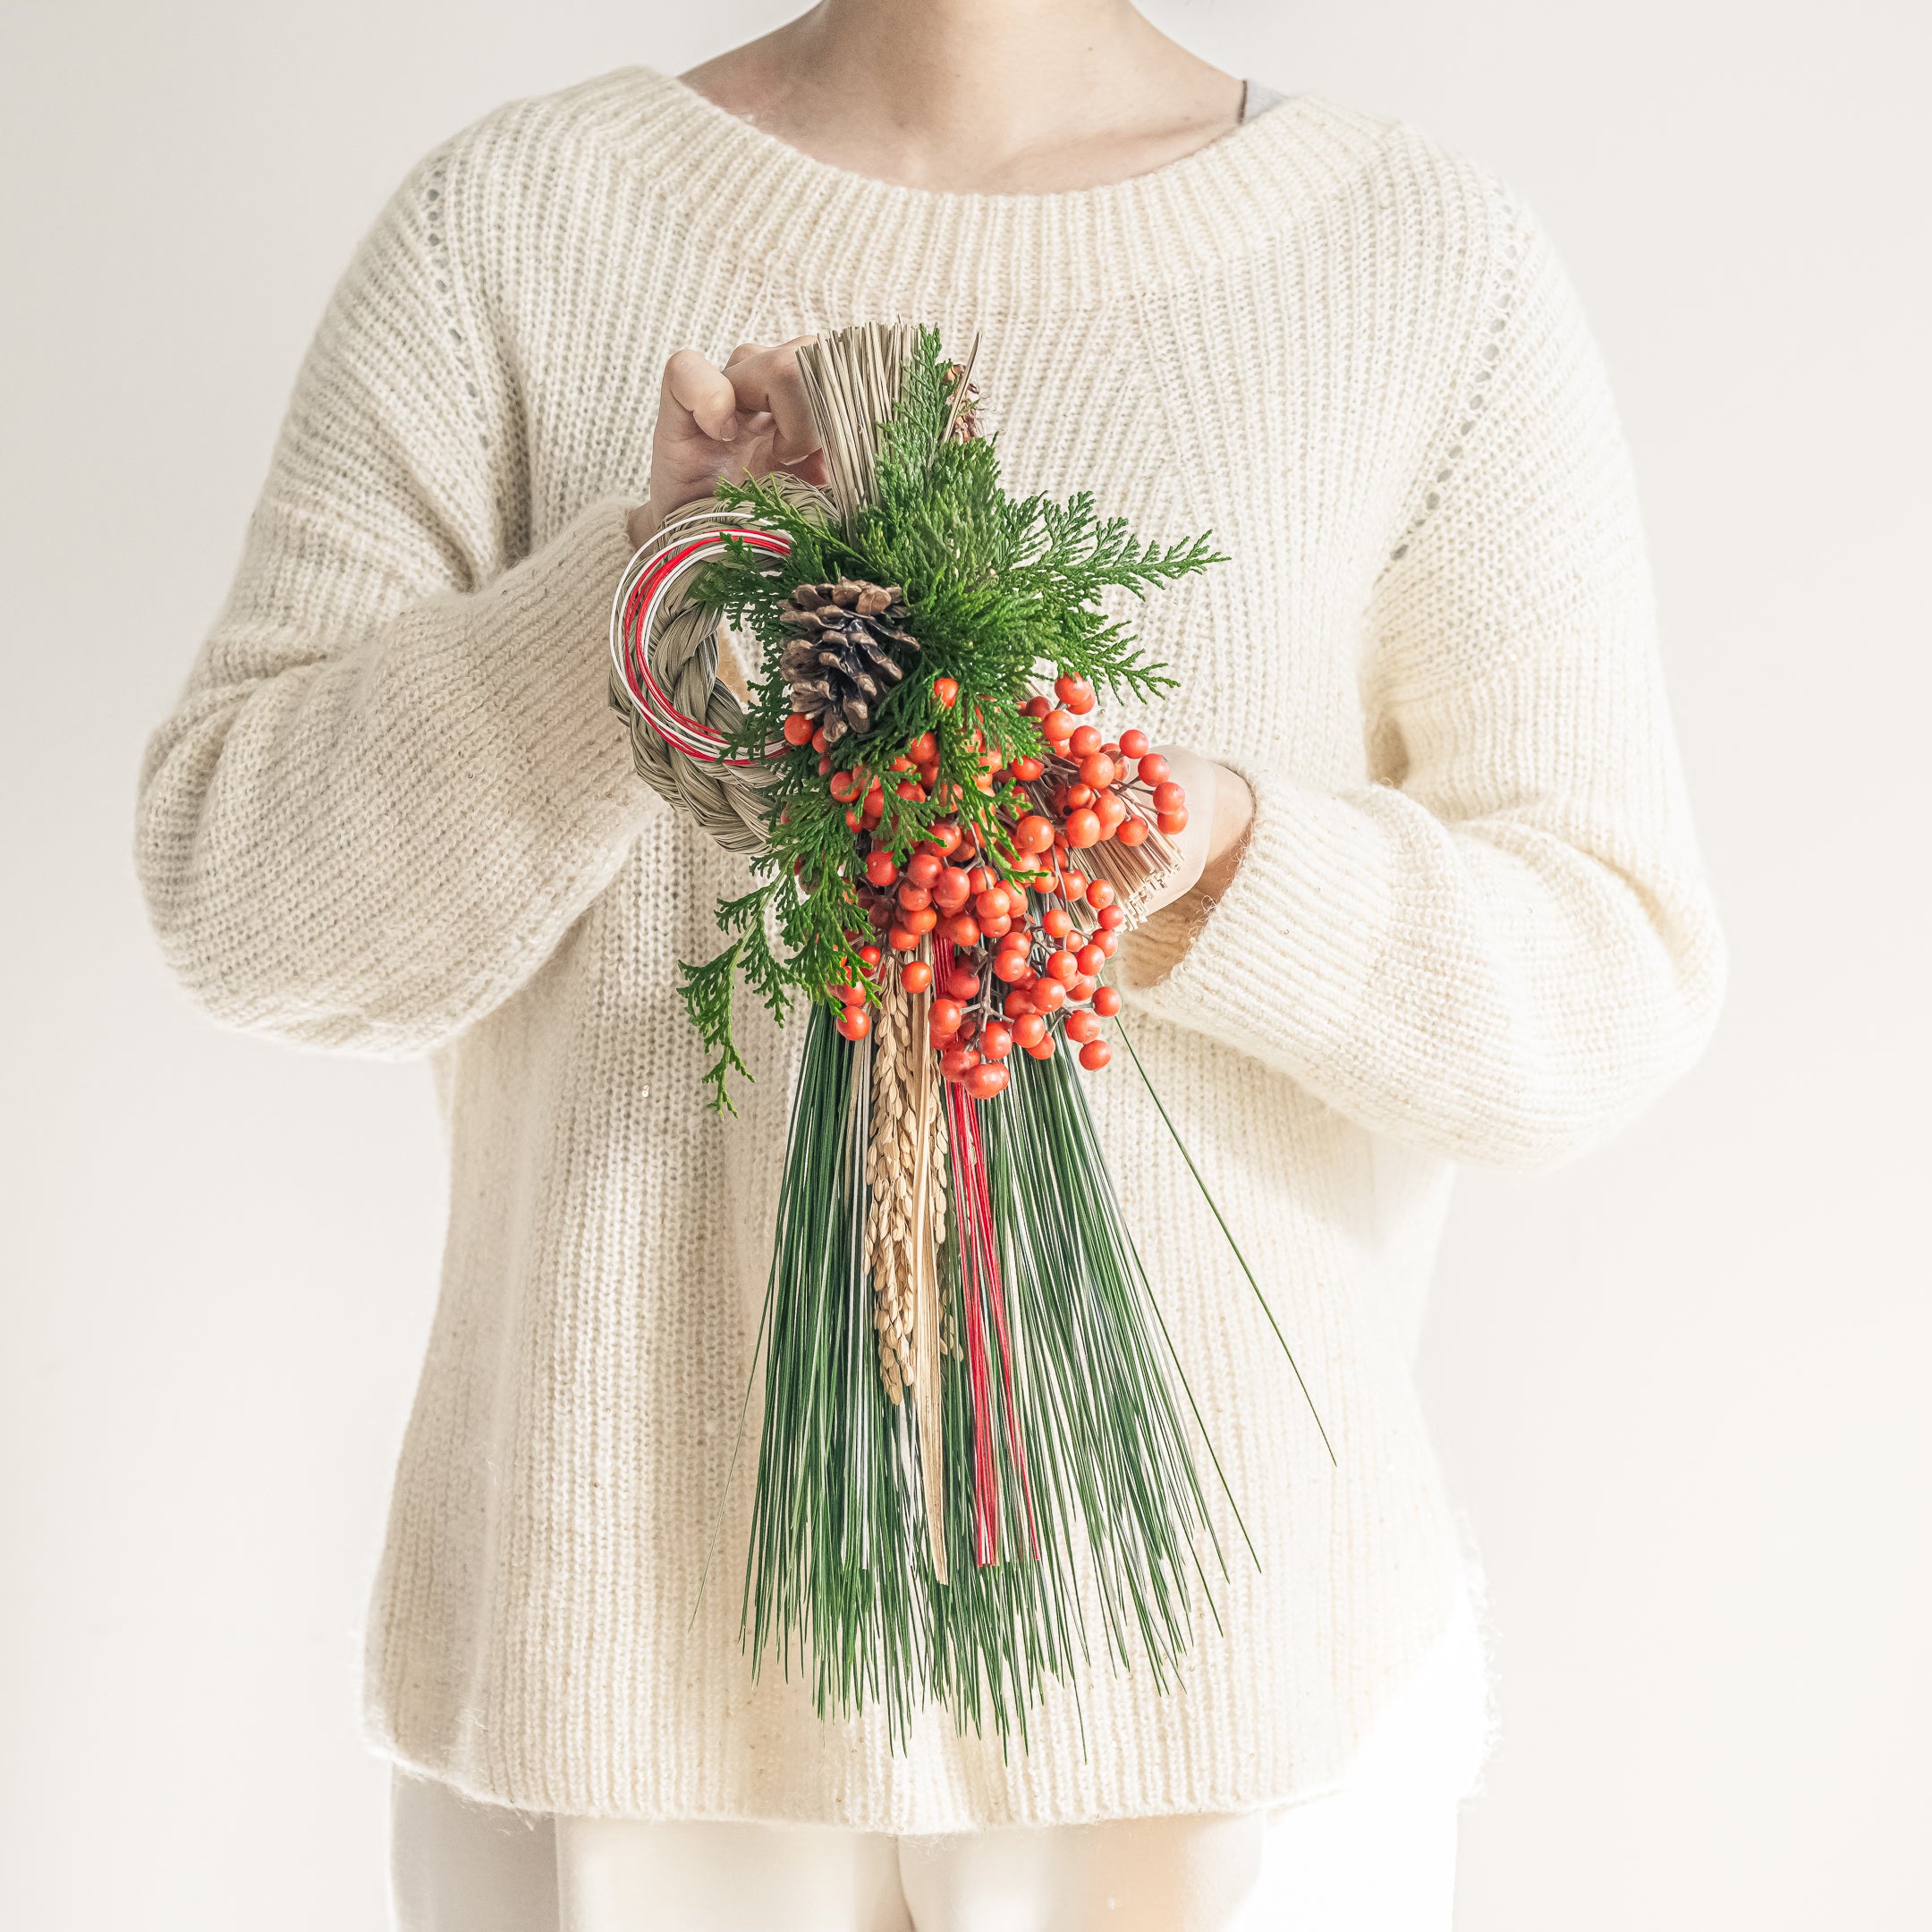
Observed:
{"x":1679,"y":1387}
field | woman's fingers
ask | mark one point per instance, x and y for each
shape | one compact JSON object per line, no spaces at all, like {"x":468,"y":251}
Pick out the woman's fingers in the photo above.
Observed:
{"x":1194,"y":843}
{"x":697,"y":398}
{"x":699,"y":435}
{"x":1156,"y":944}
{"x":812,"y":468}
{"x":767,"y":381}
{"x":719,"y":424}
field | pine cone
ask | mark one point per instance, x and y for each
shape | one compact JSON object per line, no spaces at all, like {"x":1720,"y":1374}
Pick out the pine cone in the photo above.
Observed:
{"x":838,"y":667}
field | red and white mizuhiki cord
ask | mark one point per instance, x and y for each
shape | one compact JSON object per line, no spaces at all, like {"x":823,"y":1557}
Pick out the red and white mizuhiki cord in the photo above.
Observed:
{"x":684,"y":543}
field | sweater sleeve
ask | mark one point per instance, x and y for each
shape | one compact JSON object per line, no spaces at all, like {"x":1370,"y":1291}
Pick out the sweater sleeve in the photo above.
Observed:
{"x":1506,"y":949}
{"x":392,"y":782}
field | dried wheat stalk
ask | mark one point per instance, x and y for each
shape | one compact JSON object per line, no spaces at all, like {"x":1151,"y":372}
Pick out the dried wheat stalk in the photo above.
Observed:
{"x":893,"y":1239}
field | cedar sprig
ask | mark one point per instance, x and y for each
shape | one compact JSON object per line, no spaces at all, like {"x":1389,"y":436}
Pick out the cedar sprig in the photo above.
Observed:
{"x":708,"y":989}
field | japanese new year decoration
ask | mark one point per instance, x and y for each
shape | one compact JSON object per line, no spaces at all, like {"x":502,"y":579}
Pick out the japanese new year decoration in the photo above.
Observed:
{"x":973,"y":1429}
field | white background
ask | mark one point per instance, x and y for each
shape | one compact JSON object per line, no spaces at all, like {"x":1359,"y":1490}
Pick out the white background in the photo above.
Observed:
{"x":1679,"y":1387}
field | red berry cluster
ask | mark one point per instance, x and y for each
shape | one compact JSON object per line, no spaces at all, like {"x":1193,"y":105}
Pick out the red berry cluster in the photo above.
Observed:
{"x":1020,"y":938}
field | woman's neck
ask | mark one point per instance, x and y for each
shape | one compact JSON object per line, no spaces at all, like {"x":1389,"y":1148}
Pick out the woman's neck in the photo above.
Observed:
{"x":992,"y":96}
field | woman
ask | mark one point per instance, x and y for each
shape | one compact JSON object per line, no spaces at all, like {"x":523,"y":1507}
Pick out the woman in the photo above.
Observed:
{"x":1450,"y":909}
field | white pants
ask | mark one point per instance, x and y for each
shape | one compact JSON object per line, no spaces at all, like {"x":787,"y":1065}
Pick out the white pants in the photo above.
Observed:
{"x":1376,"y":1855}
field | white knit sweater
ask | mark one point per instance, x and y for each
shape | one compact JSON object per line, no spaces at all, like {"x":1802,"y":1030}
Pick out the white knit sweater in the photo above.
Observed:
{"x":392,"y":815}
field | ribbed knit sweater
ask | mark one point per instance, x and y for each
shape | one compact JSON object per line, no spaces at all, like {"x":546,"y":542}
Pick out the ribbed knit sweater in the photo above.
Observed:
{"x":392,"y":815}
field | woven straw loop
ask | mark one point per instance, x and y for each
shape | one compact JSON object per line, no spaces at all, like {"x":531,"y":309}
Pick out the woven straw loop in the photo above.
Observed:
{"x":664,"y":678}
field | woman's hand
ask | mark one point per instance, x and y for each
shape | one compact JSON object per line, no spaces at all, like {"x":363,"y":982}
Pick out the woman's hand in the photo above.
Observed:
{"x":1220,"y":811}
{"x":720,"y":424}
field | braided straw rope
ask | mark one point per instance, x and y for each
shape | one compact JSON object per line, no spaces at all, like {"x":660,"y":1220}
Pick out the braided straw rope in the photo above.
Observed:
{"x":724,"y":804}
{"x":664,"y":678}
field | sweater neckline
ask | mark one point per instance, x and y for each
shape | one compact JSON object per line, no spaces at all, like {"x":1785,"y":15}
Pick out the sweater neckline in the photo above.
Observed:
{"x":834,"y":234}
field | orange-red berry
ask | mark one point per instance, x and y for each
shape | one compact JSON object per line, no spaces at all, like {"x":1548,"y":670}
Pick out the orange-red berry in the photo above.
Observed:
{"x":986,"y":1079}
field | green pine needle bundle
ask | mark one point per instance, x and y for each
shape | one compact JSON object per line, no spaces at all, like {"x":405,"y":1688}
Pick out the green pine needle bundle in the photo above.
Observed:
{"x":840,"y":1582}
